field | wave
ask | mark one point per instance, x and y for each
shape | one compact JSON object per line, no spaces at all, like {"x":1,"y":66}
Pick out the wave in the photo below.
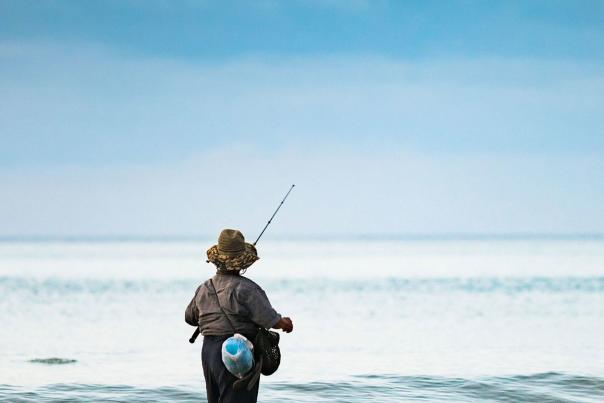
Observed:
{"x":53,"y":361}
{"x":545,"y":387}
{"x":508,"y":285}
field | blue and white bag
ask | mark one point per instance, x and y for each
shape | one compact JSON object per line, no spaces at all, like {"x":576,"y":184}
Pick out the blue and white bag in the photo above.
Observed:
{"x":238,"y":355}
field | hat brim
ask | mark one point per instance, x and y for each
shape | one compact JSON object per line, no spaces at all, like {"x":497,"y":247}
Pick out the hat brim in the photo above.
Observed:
{"x":233,"y":261}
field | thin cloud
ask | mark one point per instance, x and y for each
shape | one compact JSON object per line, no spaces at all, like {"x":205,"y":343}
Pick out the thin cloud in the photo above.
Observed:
{"x":101,"y":107}
{"x":339,"y":192}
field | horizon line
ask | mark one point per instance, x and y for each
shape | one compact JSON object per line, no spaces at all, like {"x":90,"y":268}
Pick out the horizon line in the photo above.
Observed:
{"x":434,"y":236}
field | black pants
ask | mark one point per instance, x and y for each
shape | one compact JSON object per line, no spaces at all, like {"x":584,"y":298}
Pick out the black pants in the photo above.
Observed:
{"x":219,"y":381}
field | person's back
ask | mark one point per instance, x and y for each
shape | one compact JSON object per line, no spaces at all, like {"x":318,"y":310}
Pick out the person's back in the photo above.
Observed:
{"x":229,"y":303}
{"x":242,"y":300}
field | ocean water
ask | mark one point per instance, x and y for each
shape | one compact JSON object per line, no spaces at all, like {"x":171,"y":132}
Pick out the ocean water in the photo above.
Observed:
{"x":510,"y":320}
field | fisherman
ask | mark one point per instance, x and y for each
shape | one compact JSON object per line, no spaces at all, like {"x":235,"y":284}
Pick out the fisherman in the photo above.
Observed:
{"x":246,"y":305}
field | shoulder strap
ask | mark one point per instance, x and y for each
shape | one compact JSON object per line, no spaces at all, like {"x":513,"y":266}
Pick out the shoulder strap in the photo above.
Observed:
{"x":220,"y":306}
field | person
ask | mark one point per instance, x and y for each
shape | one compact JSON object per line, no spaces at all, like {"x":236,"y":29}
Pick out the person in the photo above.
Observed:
{"x":246,"y":305}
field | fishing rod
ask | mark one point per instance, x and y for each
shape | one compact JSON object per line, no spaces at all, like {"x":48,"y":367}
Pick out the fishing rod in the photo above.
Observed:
{"x":196,"y":333}
{"x":273,"y":216}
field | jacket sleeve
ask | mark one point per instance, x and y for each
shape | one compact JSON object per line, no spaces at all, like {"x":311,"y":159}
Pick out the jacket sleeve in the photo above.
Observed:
{"x":192,"y":313}
{"x":259,"y":307}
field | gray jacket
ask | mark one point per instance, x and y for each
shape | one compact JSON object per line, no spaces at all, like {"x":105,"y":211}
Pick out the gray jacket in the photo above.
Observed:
{"x":244,"y":301}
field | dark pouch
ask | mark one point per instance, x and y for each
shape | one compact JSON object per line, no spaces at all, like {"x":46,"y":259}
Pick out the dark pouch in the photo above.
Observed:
{"x":266,"y":350}
{"x":267,"y":356}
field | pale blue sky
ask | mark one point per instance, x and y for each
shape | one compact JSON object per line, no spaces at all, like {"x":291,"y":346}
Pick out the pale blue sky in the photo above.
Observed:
{"x":150,"y":117}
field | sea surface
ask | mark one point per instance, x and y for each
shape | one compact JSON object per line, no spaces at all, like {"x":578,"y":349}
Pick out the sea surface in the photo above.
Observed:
{"x":398,"y":320}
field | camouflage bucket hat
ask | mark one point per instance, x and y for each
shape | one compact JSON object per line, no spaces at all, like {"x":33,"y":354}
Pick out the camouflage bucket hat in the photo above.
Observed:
{"x":232,"y":253}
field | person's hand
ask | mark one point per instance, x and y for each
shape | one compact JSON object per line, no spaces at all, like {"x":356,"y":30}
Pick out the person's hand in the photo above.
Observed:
{"x":285,"y":324}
